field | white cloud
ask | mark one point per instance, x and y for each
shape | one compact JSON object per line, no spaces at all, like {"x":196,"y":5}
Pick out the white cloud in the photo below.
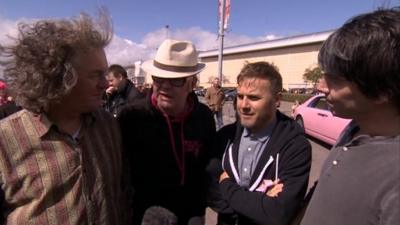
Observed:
{"x":269,"y":37}
{"x":125,"y":52}
{"x":7,"y":27}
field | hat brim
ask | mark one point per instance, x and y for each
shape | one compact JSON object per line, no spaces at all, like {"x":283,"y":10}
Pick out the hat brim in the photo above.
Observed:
{"x":149,"y":67}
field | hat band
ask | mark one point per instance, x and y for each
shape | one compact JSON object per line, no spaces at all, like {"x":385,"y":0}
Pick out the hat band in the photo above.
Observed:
{"x":175,"y":68}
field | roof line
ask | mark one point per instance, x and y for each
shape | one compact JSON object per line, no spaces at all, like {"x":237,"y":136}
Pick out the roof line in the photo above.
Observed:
{"x":276,"y":43}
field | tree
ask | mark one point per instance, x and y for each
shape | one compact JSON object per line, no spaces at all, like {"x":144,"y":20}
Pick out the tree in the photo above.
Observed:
{"x":312,"y":75}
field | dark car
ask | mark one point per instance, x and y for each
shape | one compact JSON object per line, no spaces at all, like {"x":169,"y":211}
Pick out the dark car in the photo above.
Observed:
{"x":200,"y":92}
{"x":230,"y":94}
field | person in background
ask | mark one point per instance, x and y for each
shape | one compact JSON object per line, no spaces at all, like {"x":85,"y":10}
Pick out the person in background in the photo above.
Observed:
{"x":169,"y":136}
{"x":267,"y":164}
{"x":215,"y":100}
{"x":3,"y":93}
{"x":60,"y":156}
{"x":360,"y":179}
{"x":7,"y":106}
{"x":121,"y":90}
{"x":296,"y":104}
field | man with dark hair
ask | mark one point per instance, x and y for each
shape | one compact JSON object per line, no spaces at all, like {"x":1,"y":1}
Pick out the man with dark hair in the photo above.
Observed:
{"x":360,"y":180}
{"x":120,"y":91}
{"x":269,"y":152}
{"x":168,"y":137}
{"x":60,"y":156}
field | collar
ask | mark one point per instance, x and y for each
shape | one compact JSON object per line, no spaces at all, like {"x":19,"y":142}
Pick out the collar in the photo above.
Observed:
{"x":44,"y":124}
{"x":190,"y":102}
{"x":348,"y":139}
{"x":263,"y":135}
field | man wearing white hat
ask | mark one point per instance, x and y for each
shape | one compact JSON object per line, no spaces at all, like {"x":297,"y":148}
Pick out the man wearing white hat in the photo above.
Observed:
{"x":168,"y":137}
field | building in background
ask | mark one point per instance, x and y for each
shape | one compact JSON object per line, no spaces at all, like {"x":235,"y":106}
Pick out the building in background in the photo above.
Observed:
{"x":136,"y":74}
{"x":292,"y":55}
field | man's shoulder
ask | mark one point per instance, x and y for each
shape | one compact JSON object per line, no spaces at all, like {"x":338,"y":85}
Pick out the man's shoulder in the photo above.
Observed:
{"x":137,"y":110}
{"x":203,"y":109}
{"x":288,"y":124}
{"x":19,"y":115}
{"x":288,"y":131}
{"x":17,"y":123}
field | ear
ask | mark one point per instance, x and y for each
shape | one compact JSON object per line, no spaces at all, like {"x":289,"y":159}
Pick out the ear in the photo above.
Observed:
{"x":193,"y":82}
{"x":381,"y":99}
{"x":278,"y":98}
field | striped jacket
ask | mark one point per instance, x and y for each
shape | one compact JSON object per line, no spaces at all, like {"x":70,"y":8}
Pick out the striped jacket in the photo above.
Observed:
{"x":49,"y":178}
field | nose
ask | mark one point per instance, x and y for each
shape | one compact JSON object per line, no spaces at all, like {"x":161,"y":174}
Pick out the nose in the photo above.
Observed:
{"x":243,"y":103}
{"x":322,"y":86}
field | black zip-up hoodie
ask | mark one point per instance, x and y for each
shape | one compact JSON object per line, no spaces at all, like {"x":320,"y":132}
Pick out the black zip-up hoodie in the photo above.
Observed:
{"x":253,"y":207}
{"x":168,"y":157}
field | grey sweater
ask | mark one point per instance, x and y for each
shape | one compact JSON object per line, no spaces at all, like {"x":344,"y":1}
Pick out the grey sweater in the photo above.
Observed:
{"x":359,"y":184}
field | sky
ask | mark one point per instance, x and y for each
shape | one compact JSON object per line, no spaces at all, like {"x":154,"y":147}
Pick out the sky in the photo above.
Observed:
{"x":140,"y":25}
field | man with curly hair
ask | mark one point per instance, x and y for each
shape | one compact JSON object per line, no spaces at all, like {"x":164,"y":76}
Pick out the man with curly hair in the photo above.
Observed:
{"x":60,"y":159}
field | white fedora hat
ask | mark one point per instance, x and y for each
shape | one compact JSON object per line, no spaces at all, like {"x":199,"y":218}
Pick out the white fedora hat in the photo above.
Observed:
{"x":174,"y":59}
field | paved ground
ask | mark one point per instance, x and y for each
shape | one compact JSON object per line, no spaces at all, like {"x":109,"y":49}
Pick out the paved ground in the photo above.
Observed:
{"x":319,"y":151}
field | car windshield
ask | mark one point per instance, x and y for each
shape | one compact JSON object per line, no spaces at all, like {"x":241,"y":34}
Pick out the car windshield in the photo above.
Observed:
{"x":320,"y":103}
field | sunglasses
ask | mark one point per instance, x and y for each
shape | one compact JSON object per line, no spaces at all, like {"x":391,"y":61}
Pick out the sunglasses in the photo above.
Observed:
{"x":176,"y":82}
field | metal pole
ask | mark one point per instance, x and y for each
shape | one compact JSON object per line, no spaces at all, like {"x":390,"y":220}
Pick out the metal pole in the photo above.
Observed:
{"x":167,"y":31}
{"x":221,"y":41}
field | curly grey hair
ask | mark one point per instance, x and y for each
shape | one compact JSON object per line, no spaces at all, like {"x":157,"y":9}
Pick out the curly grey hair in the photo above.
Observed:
{"x":38,"y":66}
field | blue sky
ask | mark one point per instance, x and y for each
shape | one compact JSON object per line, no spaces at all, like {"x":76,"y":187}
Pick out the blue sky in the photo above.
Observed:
{"x":140,"y":25}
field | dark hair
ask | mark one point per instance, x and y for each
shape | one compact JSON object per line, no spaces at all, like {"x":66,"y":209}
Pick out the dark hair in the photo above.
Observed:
{"x":366,"y":51}
{"x":117,"y":69}
{"x":40,"y":64}
{"x":262,"y":70}
{"x":157,"y":215}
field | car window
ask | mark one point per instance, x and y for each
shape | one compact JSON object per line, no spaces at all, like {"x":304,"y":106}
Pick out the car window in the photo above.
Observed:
{"x":319,"y":103}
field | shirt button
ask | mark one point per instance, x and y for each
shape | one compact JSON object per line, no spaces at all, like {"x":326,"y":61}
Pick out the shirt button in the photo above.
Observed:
{"x":345,"y":149}
{"x":249,"y":149}
{"x":335,"y":162}
{"x":245,"y":169}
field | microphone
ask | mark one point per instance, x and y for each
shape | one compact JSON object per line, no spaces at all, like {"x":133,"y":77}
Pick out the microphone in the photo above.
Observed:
{"x":157,"y":215}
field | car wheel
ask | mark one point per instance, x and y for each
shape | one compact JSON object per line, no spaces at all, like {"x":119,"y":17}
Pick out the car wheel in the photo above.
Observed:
{"x":300,"y":122}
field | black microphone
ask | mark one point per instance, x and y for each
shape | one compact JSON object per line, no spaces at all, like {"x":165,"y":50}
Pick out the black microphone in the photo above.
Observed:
{"x":157,"y":215}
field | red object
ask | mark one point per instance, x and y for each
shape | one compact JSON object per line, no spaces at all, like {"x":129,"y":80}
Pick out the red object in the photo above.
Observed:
{"x":3,"y":85}
{"x":227,"y":12}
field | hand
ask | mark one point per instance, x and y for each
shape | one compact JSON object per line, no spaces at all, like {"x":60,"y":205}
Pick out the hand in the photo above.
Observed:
{"x":110,"y":90}
{"x":275,"y":189}
{"x":224,"y":175}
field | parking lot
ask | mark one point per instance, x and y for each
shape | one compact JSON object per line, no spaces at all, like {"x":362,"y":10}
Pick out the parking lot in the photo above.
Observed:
{"x":319,"y":150}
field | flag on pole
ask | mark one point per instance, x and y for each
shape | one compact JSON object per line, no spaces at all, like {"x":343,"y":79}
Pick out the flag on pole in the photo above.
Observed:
{"x":227,"y":13}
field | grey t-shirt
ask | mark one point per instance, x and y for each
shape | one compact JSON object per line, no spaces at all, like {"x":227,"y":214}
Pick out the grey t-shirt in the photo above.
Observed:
{"x":359,"y":184}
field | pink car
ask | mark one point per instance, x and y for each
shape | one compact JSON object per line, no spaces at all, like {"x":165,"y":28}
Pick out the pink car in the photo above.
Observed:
{"x":316,"y":119}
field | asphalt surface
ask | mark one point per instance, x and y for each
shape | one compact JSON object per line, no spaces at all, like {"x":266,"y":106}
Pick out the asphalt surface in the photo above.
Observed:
{"x":319,"y":150}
